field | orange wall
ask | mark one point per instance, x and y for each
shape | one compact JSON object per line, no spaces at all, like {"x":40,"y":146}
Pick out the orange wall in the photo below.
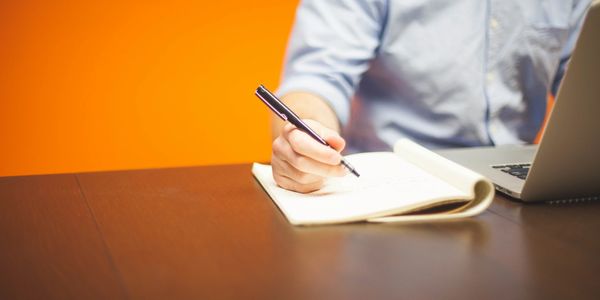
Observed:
{"x":100,"y":85}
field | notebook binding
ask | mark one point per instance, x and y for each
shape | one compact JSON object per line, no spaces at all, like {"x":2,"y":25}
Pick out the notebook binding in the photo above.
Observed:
{"x":574,"y":200}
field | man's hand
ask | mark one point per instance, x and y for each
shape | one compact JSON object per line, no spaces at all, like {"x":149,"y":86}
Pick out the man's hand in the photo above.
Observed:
{"x":300,"y":163}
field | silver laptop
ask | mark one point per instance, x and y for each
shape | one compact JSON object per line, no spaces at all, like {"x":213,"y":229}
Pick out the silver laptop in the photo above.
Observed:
{"x":566,"y":163}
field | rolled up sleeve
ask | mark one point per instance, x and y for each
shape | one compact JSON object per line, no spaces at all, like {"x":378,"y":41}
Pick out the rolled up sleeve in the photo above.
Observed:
{"x":330,"y":48}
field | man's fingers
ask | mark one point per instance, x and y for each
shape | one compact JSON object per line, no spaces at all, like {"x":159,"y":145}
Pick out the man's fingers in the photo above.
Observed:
{"x":329,"y":135}
{"x":304,"y":144}
{"x":300,"y":163}
{"x":308,"y":165}
{"x":289,"y":184}
{"x":286,"y":169}
{"x":287,"y":177}
{"x":304,"y":164}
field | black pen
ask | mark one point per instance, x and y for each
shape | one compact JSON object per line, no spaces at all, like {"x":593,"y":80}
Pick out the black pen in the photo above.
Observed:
{"x":286,"y":114}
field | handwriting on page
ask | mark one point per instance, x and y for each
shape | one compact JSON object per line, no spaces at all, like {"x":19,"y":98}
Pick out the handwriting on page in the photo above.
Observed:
{"x":382,"y":176}
{"x":367,"y":184}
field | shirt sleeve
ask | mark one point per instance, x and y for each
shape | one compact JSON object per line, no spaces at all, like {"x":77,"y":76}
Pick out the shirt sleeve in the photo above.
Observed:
{"x":577,"y":19}
{"x":330,"y":48}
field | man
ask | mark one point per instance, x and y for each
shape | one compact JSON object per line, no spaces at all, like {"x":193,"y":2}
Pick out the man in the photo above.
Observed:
{"x":443,"y":73}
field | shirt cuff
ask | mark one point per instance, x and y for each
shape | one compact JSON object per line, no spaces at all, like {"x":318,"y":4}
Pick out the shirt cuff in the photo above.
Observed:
{"x":332,"y":95}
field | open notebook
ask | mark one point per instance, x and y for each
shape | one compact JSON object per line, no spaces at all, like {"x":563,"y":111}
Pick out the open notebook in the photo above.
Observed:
{"x":393,"y":187}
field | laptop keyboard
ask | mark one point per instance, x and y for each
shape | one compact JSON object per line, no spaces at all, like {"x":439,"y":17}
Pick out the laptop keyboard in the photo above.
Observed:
{"x":517,"y":170}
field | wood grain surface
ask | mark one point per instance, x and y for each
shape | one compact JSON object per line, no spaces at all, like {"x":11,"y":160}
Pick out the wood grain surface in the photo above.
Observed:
{"x":50,"y":245}
{"x":211,"y":232}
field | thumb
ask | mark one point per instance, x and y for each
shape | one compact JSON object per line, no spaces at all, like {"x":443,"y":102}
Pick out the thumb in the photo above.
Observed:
{"x":329,"y":135}
{"x":335,"y":141}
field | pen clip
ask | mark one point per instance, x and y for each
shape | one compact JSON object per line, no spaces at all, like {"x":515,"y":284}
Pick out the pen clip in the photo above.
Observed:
{"x":281,"y":115}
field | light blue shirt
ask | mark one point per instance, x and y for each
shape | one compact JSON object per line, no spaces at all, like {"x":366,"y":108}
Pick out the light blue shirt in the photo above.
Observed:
{"x":445,"y":73}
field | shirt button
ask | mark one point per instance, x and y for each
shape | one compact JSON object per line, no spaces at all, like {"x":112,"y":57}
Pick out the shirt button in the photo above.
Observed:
{"x":494,"y":23}
{"x":493,"y":128}
{"x":489,"y":77}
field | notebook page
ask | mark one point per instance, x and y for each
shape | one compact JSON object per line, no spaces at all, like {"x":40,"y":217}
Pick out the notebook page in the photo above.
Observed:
{"x":480,"y":189}
{"x":388,"y":184}
{"x":449,"y":171}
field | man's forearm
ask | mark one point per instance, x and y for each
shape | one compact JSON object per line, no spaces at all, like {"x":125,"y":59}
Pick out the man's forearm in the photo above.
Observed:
{"x":307,"y":106}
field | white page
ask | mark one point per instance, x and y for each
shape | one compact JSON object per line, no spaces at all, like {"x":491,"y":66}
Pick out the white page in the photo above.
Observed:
{"x":480,"y":189}
{"x":388,"y":184}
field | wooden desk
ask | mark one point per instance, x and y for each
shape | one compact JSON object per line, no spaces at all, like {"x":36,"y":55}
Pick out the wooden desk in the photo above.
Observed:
{"x":211,"y":232}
